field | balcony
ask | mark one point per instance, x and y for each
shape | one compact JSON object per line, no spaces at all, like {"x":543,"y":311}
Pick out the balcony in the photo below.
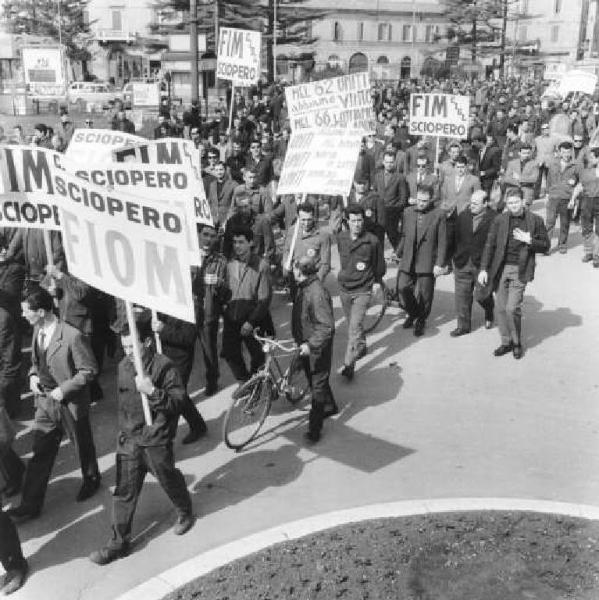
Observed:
{"x":113,"y":35}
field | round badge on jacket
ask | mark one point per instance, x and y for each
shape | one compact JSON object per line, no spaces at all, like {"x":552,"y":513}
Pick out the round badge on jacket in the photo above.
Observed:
{"x":368,"y":213}
{"x":571,"y":181}
{"x":311,"y":252}
{"x":360,"y":266}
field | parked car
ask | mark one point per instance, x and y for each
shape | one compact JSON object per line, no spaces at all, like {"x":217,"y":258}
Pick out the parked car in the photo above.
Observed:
{"x":127,"y":91}
{"x":83,"y":92}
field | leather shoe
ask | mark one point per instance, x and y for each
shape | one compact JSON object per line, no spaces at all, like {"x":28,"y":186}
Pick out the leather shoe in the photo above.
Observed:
{"x":587,"y":258}
{"x":348,"y":372}
{"x":407,"y":324}
{"x":106,"y":555}
{"x":419,"y":327}
{"x":596,"y":263}
{"x":211,"y":389}
{"x":503,"y":349}
{"x":311,"y":437}
{"x":563,"y":249}
{"x":517,"y":351}
{"x":184,"y":524}
{"x":458,"y":331}
{"x":88,"y":488}
{"x":330,"y":411}
{"x":23,"y":513}
{"x":195,"y":434}
{"x":14,"y":579}
{"x":362,"y":352}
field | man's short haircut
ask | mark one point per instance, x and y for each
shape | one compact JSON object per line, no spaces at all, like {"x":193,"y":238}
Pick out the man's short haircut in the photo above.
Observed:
{"x":565,"y":144}
{"x":201,"y":226}
{"x":355,"y":209}
{"x":512,"y":192}
{"x":246,"y":232}
{"x":361,"y":180}
{"x":389,"y":153}
{"x":306,"y":207}
{"x":143,"y":326}
{"x":479,"y":195}
{"x":455,"y":144}
{"x":425,"y":189}
{"x":461,"y":160}
{"x":40,"y":298}
{"x":513,"y":128}
{"x":41,"y":127}
{"x":526,"y":146}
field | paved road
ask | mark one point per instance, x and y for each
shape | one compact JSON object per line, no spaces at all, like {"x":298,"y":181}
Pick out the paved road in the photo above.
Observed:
{"x":424,"y":418}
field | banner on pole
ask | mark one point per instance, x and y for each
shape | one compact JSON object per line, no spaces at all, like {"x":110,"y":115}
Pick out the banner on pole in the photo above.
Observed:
{"x":95,"y":146}
{"x":172,"y":151}
{"x":238,"y":57}
{"x":440,"y":115}
{"x":320,"y":161}
{"x":336,"y":102}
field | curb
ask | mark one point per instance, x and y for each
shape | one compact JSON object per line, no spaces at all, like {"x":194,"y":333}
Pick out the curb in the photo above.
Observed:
{"x":172,"y":579}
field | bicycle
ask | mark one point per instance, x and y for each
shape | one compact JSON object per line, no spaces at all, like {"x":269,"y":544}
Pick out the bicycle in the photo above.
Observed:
{"x":251,"y":403}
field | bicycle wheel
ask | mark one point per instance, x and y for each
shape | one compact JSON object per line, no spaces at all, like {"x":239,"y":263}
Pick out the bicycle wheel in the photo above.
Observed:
{"x":249,"y":407}
{"x":376,"y":309}
{"x":297,"y":385}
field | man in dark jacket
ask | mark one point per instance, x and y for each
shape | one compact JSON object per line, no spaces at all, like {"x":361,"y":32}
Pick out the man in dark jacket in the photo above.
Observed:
{"x":248,"y":278}
{"x":422,"y":250}
{"x":471,"y":231}
{"x":11,"y":557}
{"x":508,"y":264}
{"x":143,"y":448}
{"x":62,"y":366}
{"x":313,"y":328}
{"x":362,"y":268}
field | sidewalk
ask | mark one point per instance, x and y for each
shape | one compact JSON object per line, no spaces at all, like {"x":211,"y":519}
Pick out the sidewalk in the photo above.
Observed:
{"x":434,"y":417}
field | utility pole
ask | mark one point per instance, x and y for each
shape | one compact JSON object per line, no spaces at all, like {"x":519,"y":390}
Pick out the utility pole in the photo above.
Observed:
{"x":193,"y":48}
{"x":503,"y":38}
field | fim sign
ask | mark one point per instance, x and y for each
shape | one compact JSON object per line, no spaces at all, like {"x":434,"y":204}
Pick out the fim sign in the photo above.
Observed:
{"x":441,"y":115}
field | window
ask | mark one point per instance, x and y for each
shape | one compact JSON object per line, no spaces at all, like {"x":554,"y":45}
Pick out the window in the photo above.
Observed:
{"x":557,"y":6}
{"x":554,"y":33}
{"x":407,"y":33}
{"x":382,"y":60}
{"x":431,"y":33}
{"x":117,"y":19}
{"x":337,"y":32}
{"x":360,"y":34}
{"x":523,"y":33}
{"x":384,"y":34}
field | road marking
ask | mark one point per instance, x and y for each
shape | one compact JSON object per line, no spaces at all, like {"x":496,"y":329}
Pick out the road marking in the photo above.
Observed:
{"x":172,"y":579}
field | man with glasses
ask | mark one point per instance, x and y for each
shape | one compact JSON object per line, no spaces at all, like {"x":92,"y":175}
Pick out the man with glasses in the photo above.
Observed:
{"x":422,"y":175}
{"x":362,"y":268}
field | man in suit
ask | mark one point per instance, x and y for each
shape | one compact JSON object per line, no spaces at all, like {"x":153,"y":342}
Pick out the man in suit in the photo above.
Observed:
{"x":391,"y":187}
{"x":472,"y":227}
{"x":523,"y":173}
{"x":62,"y":366}
{"x":456,"y":191}
{"x":11,"y":557}
{"x":422,"y":175}
{"x":422,"y":250}
{"x":220,"y":195}
{"x":364,"y":165}
{"x":508,"y":264}
{"x":488,"y":164}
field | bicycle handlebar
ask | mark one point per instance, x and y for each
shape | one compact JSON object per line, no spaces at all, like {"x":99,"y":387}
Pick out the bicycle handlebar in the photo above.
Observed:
{"x":280,"y":344}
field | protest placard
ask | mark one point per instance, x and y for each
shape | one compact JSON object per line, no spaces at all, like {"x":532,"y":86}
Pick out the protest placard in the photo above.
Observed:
{"x":337,"y":102}
{"x":238,"y":56}
{"x":145,"y":94}
{"x":23,"y":173}
{"x":171,"y":184}
{"x":172,"y":151}
{"x":320,"y":161}
{"x":439,"y":115}
{"x":95,"y":146}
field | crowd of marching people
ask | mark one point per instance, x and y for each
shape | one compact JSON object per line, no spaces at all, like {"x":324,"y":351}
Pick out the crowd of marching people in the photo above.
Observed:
{"x":424,"y":206}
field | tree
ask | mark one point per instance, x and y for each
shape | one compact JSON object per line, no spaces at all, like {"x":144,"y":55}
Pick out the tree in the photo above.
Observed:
{"x":294,"y":21}
{"x":62,"y":20}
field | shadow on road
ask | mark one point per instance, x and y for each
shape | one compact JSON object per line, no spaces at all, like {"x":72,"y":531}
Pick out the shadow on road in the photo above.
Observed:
{"x":540,"y":325}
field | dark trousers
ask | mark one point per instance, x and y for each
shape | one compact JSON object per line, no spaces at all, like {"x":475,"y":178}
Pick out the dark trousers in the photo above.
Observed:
{"x":450,"y":225}
{"x":392,"y":218}
{"x":318,"y":371}
{"x":465,"y":286}
{"x":543,"y":170}
{"x":416,"y":291}
{"x":51,"y":423}
{"x":11,"y":469}
{"x":10,"y":361}
{"x":589,"y":220}
{"x":232,"y":351}
{"x":558,"y":207}
{"x":208,"y":333}
{"x":11,"y":555}
{"x":131,"y":471}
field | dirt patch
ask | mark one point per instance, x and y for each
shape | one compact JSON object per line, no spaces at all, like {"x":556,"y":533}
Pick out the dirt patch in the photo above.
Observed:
{"x":450,"y":556}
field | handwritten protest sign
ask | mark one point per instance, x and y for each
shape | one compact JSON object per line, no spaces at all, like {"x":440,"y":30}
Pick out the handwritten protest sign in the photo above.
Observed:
{"x":337,"y":102}
{"x":126,"y":245}
{"x":94,"y":146}
{"x":172,"y":151}
{"x":439,"y":115}
{"x":320,"y":161}
{"x":577,"y":81}
{"x":238,"y":57}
